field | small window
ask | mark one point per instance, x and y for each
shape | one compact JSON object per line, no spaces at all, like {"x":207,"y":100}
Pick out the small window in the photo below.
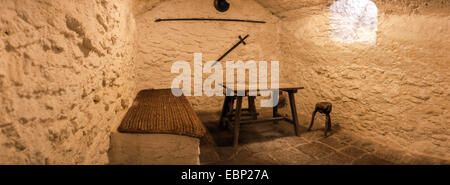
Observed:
{"x":354,"y":21}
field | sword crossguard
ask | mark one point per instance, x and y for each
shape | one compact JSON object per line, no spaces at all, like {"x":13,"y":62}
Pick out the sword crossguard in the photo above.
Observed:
{"x":242,"y":40}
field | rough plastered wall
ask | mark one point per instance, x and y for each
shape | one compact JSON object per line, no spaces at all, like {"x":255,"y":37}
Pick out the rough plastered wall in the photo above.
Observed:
{"x":65,"y":76}
{"x":159,"y":44}
{"x":395,"y":91}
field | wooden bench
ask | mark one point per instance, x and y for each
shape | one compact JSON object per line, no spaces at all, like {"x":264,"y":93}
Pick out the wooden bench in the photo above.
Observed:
{"x":159,"y":128}
{"x":228,"y":111}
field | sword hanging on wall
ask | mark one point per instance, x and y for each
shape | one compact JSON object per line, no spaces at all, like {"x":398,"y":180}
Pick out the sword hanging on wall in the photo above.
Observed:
{"x":241,"y":40}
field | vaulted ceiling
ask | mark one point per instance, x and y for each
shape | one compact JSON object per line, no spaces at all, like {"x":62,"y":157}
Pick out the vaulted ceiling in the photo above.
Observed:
{"x":280,"y":6}
{"x":276,"y":7}
{"x":288,"y":8}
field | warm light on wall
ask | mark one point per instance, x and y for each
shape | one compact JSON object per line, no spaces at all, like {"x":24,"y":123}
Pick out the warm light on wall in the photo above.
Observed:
{"x":353,"y":21}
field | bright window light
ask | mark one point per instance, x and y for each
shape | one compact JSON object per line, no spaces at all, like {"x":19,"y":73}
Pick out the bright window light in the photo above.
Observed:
{"x":353,"y":21}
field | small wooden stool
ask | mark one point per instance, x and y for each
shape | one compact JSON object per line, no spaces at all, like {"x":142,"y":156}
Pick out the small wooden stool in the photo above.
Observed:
{"x":324,"y":108}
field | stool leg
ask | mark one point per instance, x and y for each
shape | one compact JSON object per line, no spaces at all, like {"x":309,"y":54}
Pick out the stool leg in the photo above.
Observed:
{"x":312,"y":118}
{"x":328,"y":124}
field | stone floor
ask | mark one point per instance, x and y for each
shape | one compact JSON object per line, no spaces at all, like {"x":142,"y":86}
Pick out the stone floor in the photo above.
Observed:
{"x":268,"y":143}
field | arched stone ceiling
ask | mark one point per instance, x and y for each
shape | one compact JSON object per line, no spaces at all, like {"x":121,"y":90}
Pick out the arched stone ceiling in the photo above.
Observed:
{"x":278,"y":7}
{"x":287,"y":8}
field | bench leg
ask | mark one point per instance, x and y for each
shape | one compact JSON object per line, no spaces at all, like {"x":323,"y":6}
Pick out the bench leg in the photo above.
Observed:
{"x":224,"y":111}
{"x":230,"y":111}
{"x":293,"y":111}
{"x":231,"y":105}
{"x":275,"y":110}
{"x":275,"y":113}
{"x":237,"y":120}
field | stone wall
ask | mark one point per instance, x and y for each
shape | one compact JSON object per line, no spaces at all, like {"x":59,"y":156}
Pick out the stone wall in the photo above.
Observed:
{"x":160,"y":44}
{"x":395,"y":92}
{"x":66,"y":75}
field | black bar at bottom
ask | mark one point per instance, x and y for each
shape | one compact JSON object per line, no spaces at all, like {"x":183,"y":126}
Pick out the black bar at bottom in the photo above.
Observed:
{"x":240,"y":174}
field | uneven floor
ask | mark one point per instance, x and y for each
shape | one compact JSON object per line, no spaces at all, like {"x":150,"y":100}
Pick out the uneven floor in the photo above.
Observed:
{"x":268,"y":143}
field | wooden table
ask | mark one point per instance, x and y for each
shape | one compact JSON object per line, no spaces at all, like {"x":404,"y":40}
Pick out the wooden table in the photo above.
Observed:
{"x":228,"y":111}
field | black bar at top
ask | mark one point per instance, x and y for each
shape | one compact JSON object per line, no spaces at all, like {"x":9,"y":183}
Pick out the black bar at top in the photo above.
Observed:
{"x":208,"y":19}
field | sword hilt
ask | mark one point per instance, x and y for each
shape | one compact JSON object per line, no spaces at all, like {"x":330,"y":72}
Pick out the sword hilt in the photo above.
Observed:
{"x":242,"y":39}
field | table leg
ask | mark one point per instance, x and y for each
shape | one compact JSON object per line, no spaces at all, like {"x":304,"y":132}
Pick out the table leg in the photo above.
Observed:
{"x":230,"y":112}
{"x":293,"y":111}
{"x":224,"y":111}
{"x":237,"y":120}
{"x":252,"y":107}
{"x":231,"y":104}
